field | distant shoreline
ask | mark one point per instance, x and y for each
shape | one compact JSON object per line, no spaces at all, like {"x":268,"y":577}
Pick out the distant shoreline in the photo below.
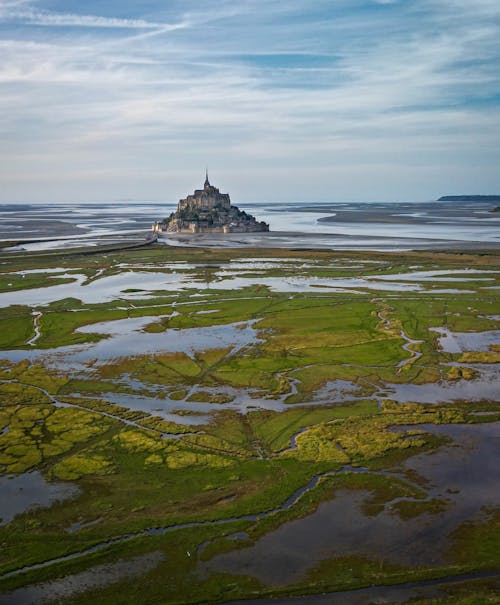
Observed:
{"x":469,"y":198}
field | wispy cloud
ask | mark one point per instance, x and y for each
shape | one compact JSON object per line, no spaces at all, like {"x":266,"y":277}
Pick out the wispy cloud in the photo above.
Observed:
{"x":72,"y":20}
{"x":14,"y":12}
{"x":253,"y":84}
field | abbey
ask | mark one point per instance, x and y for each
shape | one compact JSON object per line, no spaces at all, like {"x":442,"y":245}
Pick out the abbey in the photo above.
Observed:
{"x":208,"y":210}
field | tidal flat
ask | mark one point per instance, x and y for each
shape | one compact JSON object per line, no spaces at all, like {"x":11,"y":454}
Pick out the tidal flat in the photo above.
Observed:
{"x":189,"y":425}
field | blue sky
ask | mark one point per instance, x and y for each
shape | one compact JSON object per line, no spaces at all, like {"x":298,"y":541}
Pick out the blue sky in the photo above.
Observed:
{"x":283,"y":99}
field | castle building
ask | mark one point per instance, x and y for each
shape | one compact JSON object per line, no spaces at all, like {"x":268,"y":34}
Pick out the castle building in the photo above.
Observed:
{"x":208,"y":210}
{"x":207,"y":198}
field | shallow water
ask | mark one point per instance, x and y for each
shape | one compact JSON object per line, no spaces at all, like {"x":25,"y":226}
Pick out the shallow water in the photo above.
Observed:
{"x":485,"y":387}
{"x":20,"y":493}
{"x":101,"y":290}
{"x":339,"y":528}
{"x":232,"y":280}
{"x":338,"y":391}
{"x":242,"y":402}
{"x":353,"y":225}
{"x":227,"y":277}
{"x":164,"y":407}
{"x":478,"y":440}
{"x":126,"y":338}
{"x":98,"y":576}
{"x":468,"y":475}
{"x":459,"y":342}
{"x":441,"y":275}
{"x":375,"y":595}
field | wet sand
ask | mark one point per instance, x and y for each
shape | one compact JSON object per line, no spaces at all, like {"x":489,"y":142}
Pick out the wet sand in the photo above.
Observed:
{"x":352,"y":225}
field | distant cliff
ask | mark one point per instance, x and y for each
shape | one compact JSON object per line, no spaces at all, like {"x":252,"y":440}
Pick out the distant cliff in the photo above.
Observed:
{"x":208,"y":210}
{"x":469,"y":198}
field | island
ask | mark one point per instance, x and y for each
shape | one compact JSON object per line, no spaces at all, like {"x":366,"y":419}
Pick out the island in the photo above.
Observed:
{"x":208,"y":210}
{"x":469,"y":198}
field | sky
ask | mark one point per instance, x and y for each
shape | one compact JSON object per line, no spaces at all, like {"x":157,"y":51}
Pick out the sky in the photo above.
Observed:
{"x":283,"y":100}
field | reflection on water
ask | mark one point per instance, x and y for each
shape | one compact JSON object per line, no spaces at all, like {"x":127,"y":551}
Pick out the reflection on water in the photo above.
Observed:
{"x":369,"y":225}
{"x":338,"y":391}
{"x":164,"y":407}
{"x":458,"y":342}
{"x":338,"y":528}
{"x":242,"y":401}
{"x":127,"y":338}
{"x":138,"y":284}
{"x":486,"y":387}
{"x":20,"y":493}
{"x":466,"y":474}
{"x":99,"y":291}
{"x":232,"y":281}
{"x":439,"y":275}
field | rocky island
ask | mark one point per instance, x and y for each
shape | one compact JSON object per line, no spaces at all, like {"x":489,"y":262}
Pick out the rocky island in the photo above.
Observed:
{"x":208,"y":210}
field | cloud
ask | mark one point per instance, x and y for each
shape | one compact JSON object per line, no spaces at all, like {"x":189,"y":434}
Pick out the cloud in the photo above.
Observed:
{"x":12,"y":10}
{"x":73,"y":20}
{"x":254,"y":83}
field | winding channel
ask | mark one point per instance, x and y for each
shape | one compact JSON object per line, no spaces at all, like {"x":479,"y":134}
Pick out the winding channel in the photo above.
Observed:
{"x":64,"y":404}
{"x":378,"y":593}
{"x":161,"y":531}
{"x":414,"y":355}
{"x":36,"y":327}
